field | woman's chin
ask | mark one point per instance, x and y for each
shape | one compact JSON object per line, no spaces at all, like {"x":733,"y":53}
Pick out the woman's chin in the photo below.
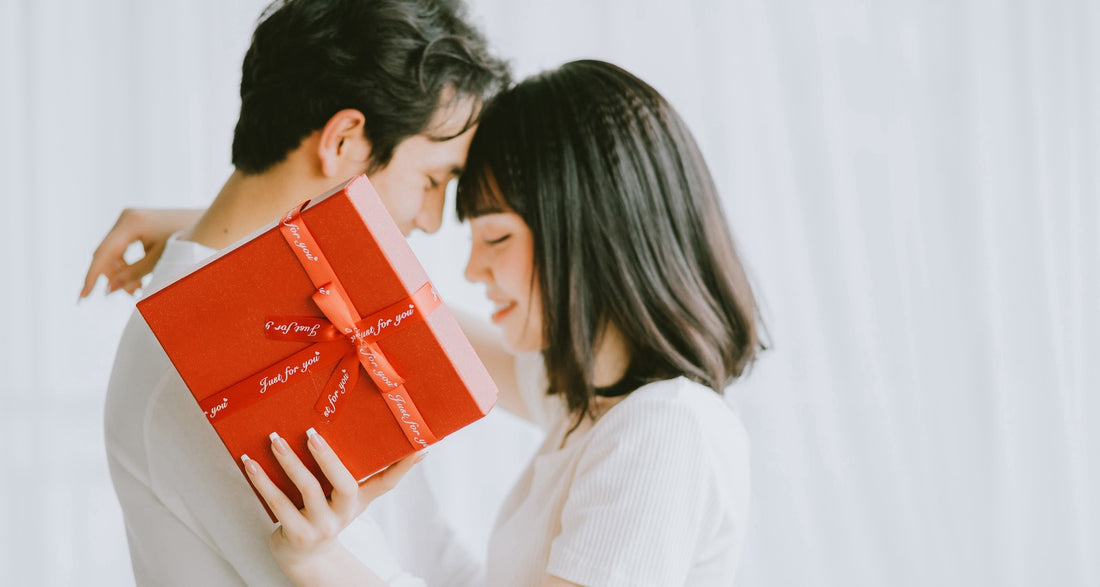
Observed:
{"x":519,"y":344}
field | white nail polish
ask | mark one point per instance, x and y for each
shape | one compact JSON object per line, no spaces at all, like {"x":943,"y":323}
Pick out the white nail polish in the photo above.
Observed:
{"x":244,"y":458}
{"x":273,"y":436}
{"x":311,"y":432}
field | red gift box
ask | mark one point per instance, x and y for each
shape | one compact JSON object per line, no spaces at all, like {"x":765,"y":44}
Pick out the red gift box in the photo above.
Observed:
{"x":325,"y":320}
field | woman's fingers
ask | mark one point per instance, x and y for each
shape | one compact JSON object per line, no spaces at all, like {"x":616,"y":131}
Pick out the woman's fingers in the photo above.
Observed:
{"x":349,"y":498}
{"x":128,"y":277}
{"x":313,"y":497}
{"x":321,"y":518}
{"x":284,"y":509}
{"x":149,"y":227}
{"x":103,"y":263}
{"x":345,"y":489}
{"x":108,"y":258}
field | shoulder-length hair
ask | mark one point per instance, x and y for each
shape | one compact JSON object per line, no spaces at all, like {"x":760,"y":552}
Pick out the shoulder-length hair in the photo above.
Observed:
{"x":627,"y":227}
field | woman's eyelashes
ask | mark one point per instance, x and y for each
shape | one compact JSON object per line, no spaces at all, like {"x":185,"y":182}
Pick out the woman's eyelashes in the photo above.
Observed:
{"x":498,"y":240}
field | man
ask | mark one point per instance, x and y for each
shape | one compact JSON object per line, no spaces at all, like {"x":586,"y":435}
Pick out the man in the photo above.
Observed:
{"x":329,"y":89}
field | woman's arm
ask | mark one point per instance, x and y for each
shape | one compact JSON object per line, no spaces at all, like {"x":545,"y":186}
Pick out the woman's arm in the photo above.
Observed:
{"x":149,"y":227}
{"x":501,"y":364}
{"x":305,"y":544}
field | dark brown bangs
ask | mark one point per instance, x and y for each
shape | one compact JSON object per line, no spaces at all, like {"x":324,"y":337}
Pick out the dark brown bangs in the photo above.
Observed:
{"x":487,"y":184}
{"x":479,"y":194}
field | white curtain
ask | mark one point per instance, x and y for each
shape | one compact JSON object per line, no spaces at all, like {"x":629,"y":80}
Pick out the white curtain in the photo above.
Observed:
{"x":913,"y":185}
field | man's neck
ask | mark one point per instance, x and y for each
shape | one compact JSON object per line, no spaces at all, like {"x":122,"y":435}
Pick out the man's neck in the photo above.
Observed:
{"x":247,"y":202}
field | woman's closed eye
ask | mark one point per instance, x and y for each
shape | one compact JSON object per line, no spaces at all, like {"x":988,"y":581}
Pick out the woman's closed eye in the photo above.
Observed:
{"x":498,"y":240}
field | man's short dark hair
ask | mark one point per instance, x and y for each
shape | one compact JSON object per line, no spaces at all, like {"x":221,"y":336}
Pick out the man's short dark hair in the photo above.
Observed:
{"x":390,"y":59}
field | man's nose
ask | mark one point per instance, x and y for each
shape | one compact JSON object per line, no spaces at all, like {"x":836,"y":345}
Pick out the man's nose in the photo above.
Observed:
{"x":430,"y":217}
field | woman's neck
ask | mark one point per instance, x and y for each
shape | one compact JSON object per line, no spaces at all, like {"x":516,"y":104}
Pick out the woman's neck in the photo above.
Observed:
{"x":612,"y":357}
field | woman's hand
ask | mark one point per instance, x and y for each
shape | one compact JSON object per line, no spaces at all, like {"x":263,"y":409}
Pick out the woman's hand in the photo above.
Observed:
{"x":149,"y":227}
{"x":305,"y":543}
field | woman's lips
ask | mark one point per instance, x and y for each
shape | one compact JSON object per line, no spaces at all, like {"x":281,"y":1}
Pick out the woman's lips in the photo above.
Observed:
{"x":502,"y":311}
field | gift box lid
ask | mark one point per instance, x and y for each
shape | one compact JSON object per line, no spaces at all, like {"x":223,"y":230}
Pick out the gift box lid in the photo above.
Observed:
{"x":214,"y":323}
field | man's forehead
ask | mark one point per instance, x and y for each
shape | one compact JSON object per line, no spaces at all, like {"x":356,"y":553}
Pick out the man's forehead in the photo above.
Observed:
{"x":454,"y":117}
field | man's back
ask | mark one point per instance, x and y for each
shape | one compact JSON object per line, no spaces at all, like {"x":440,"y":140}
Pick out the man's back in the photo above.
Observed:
{"x":191,"y":517}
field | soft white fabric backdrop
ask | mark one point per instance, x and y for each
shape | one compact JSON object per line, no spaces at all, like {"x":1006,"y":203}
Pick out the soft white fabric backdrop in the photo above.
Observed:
{"x":914,"y":187}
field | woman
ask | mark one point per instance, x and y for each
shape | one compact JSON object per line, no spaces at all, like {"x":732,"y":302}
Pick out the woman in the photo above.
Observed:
{"x":599,"y":236}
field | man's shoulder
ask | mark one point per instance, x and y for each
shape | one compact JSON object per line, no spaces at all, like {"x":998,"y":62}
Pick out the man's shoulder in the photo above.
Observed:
{"x":179,"y":257}
{"x":141,"y":367}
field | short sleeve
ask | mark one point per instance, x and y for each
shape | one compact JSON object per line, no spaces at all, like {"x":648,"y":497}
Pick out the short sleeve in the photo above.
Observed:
{"x":643,"y":500}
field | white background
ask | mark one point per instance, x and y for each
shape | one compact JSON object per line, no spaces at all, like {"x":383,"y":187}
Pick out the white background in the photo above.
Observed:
{"x":914,"y":187}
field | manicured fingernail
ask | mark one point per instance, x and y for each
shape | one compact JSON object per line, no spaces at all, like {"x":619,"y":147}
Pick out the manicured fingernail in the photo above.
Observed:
{"x":315,"y":439}
{"x":249,"y":464}
{"x":278,"y":442}
{"x":420,"y":456}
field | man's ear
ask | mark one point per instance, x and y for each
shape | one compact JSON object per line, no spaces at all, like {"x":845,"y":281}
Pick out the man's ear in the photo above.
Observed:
{"x":343,"y":148}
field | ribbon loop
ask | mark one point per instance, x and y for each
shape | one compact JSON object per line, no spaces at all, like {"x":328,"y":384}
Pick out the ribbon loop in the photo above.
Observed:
{"x":362,"y":333}
{"x":336,"y":306}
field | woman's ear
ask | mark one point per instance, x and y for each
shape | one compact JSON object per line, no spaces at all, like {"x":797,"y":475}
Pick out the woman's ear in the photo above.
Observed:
{"x":343,"y":148}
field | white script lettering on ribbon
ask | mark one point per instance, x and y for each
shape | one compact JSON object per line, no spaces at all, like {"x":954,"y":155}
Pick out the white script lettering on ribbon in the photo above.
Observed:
{"x":288,"y":372}
{"x":295,"y":230}
{"x":341,"y":389}
{"x":398,"y":401}
{"x":214,"y":410}
{"x":293,"y":328}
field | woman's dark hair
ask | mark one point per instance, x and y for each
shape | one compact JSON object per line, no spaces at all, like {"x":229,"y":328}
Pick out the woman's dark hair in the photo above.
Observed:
{"x":390,"y":59}
{"x":627,"y":228}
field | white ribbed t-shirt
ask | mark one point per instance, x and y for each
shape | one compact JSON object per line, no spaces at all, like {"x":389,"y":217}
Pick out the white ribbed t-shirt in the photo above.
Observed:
{"x":654,"y":491}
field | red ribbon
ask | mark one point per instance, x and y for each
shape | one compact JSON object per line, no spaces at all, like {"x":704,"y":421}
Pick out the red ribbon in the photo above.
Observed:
{"x":345,"y":339}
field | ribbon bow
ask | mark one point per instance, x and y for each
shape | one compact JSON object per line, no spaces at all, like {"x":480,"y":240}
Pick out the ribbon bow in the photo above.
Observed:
{"x":345,"y":338}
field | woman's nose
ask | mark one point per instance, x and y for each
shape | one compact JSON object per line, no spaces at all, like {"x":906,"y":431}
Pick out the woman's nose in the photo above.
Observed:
{"x":475,"y":271}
